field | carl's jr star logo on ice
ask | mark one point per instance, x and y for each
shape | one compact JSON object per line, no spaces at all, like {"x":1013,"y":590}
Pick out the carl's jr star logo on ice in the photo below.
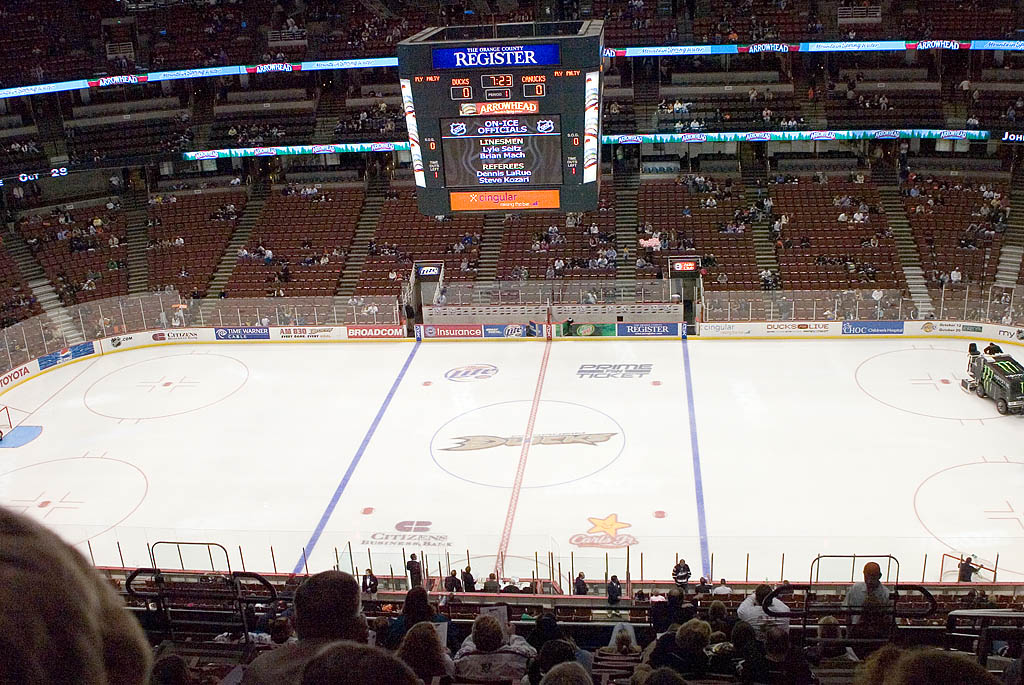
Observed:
{"x":604,"y":533}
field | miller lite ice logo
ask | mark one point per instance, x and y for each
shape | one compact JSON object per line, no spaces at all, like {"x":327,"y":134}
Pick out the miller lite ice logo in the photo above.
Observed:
{"x":762,"y":135}
{"x":768,"y":47}
{"x":457,"y":128}
{"x":627,"y":140}
{"x":953,"y":135}
{"x":323,"y":149}
{"x":888,"y":133}
{"x":268,"y":68}
{"x":514,"y":331}
{"x":118,"y":80}
{"x":382,"y":147}
{"x":823,"y":135}
{"x":694,"y":137}
{"x":264,"y":151}
{"x":205,"y":154}
{"x":545,"y":126}
{"x":471,"y":372}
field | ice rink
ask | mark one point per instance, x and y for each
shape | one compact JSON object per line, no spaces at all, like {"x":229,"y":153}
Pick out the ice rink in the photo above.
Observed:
{"x":725,"y":452}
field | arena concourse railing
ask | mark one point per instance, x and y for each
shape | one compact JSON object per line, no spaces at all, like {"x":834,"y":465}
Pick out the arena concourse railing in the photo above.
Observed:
{"x":45,"y":334}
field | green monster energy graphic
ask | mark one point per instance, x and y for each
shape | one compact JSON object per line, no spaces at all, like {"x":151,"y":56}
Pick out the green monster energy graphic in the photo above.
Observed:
{"x":1008,"y":366}
{"x":986,"y":377}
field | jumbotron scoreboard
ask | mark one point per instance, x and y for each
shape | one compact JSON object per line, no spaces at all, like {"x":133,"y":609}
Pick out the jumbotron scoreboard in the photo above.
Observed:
{"x":504,"y":117}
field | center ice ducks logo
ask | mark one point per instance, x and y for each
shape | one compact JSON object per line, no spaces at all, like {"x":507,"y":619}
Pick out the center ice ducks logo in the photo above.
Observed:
{"x":604,"y":534}
{"x":468,"y":443}
{"x":545,"y":126}
{"x":457,"y":128}
{"x":471,"y":372}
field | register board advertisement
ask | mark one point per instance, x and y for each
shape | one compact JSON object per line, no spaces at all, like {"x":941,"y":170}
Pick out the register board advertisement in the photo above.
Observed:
{"x":502,"y":150}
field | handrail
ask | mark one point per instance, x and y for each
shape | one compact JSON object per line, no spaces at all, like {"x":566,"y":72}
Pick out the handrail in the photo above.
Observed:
{"x":828,"y":609}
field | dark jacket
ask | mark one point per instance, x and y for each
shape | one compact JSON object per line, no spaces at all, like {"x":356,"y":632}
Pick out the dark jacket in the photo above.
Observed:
{"x":452,"y":584}
{"x":614,"y":591}
{"x":415,"y":573}
{"x":579,"y":587}
{"x":370,"y":583}
{"x":491,"y":586}
{"x":667,"y":653}
{"x":468,"y":581}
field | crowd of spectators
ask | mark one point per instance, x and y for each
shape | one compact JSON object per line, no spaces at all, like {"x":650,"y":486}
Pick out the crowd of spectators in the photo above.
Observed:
{"x":380,"y":119}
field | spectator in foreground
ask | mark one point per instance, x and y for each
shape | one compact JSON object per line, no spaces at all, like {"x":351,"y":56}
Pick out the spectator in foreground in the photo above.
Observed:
{"x":829,"y":655}
{"x":487,"y":653}
{"x":786,"y":666}
{"x":415,"y":609}
{"x":61,"y":622}
{"x":422,"y":651}
{"x":553,"y":652}
{"x":684,"y":650}
{"x":871,"y":586}
{"x":751,"y":609}
{"x":892,"y":666}
{"x":327,"y":609}
{"x":622,"y":643}
{"x":567,"y":674}
{"x":356,"y":664}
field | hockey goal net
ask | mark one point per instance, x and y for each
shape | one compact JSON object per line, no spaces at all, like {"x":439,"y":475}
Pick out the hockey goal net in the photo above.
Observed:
{"x":6,"y":424}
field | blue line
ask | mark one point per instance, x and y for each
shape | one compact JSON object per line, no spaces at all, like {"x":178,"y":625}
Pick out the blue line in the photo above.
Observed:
{"x":329,"y":511}
{"x":698,"y":484}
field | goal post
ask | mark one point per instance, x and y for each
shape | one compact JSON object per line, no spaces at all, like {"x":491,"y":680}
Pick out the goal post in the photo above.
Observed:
{"x":6,"y":424}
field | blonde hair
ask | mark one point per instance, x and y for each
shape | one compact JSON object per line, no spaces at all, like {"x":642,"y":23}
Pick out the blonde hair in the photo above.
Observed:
{"x":693,"y":635}
{"x":62,"y":623}
{"x":487,"y":634}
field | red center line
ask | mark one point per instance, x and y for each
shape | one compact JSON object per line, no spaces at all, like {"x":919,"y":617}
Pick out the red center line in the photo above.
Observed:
{"x":517,"y":484}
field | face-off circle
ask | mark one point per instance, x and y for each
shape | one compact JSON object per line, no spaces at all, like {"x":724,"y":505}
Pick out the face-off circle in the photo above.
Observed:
{"x":977,"y":509}
{"x":570,"y":442}
{"x":166,"y":386}
{"x":924,"y":382}
{"x":80,"y":498}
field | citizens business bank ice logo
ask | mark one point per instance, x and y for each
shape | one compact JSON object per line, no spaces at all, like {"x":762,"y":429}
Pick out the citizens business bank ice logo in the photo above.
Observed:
{"x":471,"y":372}
{"x":407,"y":533}
{"x":176,"y":335}
{"x":471,"y":443}
{"x":605,"y":533}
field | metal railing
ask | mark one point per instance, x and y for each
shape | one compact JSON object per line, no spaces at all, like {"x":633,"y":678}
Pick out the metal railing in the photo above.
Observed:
{"x":44,"y":334}
{"x":989,"y":304}
{"x":808,"y":305}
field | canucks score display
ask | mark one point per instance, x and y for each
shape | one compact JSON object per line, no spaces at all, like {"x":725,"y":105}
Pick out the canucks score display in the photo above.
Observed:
{"x":504,"y":117}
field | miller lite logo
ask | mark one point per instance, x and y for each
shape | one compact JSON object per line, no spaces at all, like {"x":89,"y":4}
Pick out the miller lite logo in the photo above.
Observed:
{"x":429,"y":271}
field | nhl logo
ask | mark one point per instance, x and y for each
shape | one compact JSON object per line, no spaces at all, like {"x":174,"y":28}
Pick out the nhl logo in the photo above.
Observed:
{"x":457,"y":128}
{"x":545,"y":126}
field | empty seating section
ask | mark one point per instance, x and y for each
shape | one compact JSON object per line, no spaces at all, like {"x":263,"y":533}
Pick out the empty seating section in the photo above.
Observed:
{"x":661,"y":203}
{"x":618,"y":116}
{"x":190,"y":217}
{"x":523,"y":247}
{"x":21,"y":154}
{"x":258,"y":128}
{"x":126,"y":138}
{"x":730,"y":112}
{"x":949,"y":230}
{"x":416,"y":236}
{"x":840,"y":254}
{"x":287,"y":223}
{"x":77,"y":255}
{"x":187,"y":36}
{"x":993,"y":108}
{"x":634,"y":23}
{"x":16,"y":300}
{"x":751,"y":22}
{"x":921,"y":107}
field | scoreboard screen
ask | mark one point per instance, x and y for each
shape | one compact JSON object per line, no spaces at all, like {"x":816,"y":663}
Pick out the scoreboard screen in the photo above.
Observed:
{"x":523,"y":150}
{"x":504,"y":117}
